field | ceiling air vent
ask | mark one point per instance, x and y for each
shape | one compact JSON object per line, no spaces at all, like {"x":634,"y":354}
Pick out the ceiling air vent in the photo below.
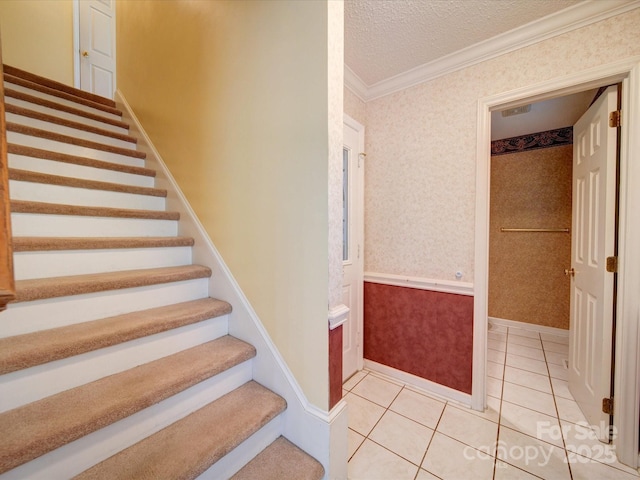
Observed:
{"x":516,"y":111}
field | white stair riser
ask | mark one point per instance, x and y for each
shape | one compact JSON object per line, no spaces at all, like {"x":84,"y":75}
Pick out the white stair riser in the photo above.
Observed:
{"x":75,"y":457}
{"x":69,"y":103}
{"x":32,"y":384}
{"x":66,"y":115}
{"x":69,"y":149}
{"x":47,"y":193}
{"x":78,"y":171}
{"x":245,"y":452}
{"x":70,"y":131}
{"x":40,"y":225}
{"x":27,"y":317}
{"x":45,"y":264}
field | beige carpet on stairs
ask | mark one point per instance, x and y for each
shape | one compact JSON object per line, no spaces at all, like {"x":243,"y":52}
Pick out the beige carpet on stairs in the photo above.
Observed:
{"x":281,"y":460}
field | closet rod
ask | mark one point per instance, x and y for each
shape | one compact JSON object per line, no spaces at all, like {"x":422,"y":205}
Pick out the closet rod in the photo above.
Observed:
{"x":539,"y":230}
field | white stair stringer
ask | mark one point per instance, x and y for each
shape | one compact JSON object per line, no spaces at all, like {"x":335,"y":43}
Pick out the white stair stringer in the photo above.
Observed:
{"x":77,"y":456}
{"x":53,"y":167}
{"x":305,"y":425}
{"x":32,"y":384}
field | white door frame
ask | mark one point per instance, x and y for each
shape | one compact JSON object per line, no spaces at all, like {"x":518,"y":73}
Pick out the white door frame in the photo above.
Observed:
{"x":358,"y":214}
{"x":76,"y":43}
{"x":627,"y":341}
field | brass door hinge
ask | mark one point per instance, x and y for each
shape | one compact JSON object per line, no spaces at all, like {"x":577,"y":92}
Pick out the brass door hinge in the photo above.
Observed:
{"x":615,"y":119}
{"x":612,"y":264}
{"x":607,"y":406}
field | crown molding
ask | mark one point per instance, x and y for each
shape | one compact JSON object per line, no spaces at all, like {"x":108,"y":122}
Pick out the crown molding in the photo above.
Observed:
{"x":354,"y":83}
{"x":577,"y":16}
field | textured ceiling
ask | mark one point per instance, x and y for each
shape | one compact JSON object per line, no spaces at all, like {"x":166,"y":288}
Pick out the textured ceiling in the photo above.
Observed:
{"x":384,"y":38}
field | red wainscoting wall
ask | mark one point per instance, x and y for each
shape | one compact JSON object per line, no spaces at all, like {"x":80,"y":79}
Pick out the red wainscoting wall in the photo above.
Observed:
{"x":335,"y":366}
{"x":425,"y":333}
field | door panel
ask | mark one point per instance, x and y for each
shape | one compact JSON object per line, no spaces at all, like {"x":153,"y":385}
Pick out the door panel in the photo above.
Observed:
{"x":97,"y":46}
{"x":593,"y":239}
{"x":352,"y":247}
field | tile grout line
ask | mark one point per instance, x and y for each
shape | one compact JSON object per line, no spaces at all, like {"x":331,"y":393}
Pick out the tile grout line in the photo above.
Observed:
{"x":500,"y":424}
{"x":387,"y":409}
{"x":504,"y":369}
{"x":435,"y":429}
{"x":555,"y":404}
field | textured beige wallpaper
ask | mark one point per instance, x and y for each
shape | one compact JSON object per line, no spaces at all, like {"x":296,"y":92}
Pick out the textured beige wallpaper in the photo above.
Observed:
{"x":335,"y":67}
{"x":526,"y":270}
{"x":421,"y":149}
{"x":354,"y":107}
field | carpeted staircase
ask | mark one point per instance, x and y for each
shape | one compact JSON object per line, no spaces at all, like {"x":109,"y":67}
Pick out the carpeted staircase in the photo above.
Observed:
{"x":114,"y":361}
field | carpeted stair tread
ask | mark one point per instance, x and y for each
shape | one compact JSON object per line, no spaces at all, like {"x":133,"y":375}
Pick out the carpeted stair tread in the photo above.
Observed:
{"x":26,"y":112}
{"x":12,"y":79}
{"x":41,"y":244}
{"x":281,"y":460}
{"x":43,"y":102}
{"x":39,"y":427}
{"x":190,"y":446}
{"x":32,"y":77}
{"x":41,"y":288}
{"x":47,"y":178}
{"x":58,"y":137}
{"x":22,"y":206}
{"x":28,"y":350}
{"x":76,"y":160}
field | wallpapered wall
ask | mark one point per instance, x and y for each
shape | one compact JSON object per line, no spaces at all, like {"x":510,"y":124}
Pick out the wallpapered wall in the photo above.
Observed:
{"x":354,"y":107}
{"x":420,"y":175}
{"x":421,"y":149}
{"x":530,"y":189}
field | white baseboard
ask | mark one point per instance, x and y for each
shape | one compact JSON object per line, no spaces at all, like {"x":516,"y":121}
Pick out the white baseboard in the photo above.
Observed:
{"x":529,"y":326}
{"x":431,"y":388}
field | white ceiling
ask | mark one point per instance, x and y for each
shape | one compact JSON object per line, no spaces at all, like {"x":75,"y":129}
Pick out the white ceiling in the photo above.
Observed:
{"x":546,"y":115}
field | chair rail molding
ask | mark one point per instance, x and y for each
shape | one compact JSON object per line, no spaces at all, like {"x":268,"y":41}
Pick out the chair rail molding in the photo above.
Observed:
{"x":422,"y":283}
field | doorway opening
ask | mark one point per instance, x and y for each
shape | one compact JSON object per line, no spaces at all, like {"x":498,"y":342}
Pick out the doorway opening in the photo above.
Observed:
{"x":547,"y":266}
{"x":627,"y":339}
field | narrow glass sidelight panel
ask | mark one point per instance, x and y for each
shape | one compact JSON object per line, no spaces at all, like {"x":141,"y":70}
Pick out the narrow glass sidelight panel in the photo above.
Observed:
{"x":345,"y":204}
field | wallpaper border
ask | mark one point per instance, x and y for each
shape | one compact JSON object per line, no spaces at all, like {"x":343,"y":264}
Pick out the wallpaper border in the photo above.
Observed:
{"x":533,"y":141}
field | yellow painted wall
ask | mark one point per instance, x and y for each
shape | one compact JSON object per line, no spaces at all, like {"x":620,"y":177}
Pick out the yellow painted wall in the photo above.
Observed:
{"x":234,"y":96}
{"x":37,"y":36}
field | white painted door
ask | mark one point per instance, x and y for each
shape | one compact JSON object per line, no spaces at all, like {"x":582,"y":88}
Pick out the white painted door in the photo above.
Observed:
{"x":97,"y":46}
{"x":352,"y":254}
{"x":593,"y":240}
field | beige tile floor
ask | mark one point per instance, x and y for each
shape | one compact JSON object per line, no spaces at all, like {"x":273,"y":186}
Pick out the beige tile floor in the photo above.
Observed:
{"x":531,"y":429}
